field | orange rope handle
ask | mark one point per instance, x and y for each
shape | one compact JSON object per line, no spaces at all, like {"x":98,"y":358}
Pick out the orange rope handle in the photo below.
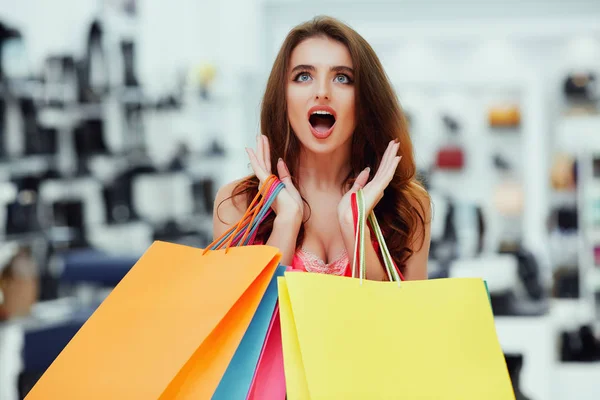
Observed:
{"x":243,"y":221}
{"x":263,"y":191}
{"x":247,"y":219}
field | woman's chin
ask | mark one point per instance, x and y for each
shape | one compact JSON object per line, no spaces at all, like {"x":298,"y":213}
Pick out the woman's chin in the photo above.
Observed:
{"x":319,"y":146}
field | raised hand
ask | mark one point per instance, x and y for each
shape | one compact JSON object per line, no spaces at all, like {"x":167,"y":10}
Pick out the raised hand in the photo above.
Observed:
{"x":288,"y":203}
{"x":373,"y":190}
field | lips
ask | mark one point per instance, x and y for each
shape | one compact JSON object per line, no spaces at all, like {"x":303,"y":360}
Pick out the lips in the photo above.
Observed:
{"x":322,"y":121}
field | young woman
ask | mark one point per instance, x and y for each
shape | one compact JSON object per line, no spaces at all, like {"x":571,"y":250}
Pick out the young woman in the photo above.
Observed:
{"x":331,"y":124}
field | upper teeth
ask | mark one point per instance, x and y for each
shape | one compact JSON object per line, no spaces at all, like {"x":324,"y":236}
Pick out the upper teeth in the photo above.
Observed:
{"x":322,"y":112}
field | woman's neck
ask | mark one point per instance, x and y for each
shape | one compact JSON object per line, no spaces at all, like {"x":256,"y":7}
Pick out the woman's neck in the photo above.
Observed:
{"x":323,"y":172}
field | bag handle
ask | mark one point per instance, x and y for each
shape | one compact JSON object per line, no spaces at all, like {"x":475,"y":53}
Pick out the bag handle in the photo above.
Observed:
{"x":253,"y":216}
{"x":266,"y":185}
{"x":246,"y":220}
{"x":277,"y":187}
{"x":358,"y":212}
{"x":245,"y":223}
{"x":265,"y":210}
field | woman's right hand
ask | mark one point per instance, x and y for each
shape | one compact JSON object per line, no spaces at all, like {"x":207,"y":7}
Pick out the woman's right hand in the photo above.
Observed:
{"x":288,"y":204}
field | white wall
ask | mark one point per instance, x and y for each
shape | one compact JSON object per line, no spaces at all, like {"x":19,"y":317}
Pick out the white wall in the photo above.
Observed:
{"x":526,"y":40}
{"x":241,"y":35}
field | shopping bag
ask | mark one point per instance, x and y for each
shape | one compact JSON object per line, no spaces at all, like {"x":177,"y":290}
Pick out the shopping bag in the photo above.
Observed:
{"x":268,"y":382}
{"x":351,"y":338}
{"x":236,"y":382}
{"x":168,"y":330}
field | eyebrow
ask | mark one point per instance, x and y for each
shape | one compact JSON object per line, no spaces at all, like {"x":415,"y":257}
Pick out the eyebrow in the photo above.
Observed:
{"x":337,"y":68}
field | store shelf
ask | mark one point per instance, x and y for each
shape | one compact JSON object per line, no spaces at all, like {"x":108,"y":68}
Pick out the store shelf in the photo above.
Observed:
{"x":570,"y":313}
{"x":534,"y":338}
{"x":70,"y":115}
{"x":593,"y":236}
{"x":564,"y":198}
{"x":594,"y":279}
{"x":27,"y":165}
{"x":577,"y":133}
{"x":578,"y":381}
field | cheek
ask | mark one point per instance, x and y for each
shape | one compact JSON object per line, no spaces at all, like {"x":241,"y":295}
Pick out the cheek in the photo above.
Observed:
{"x":349,"y":114}
{"x":294,"y":104}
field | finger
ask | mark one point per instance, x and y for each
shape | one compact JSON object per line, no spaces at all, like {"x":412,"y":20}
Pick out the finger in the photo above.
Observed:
{"x":389,"y":175}
{"x":383,"y":164}
{"x":284,"y":174}
{"x":260,"y":155}
{"x":286,"y":178}
{"x":392,"y":173}
{"x":386,"y":176}
{"x":258,"y":171}
{"x":391,"y":157}
{"x":361,"y":180}
{"x":390,"y":165}
{"x":394,"y":146}
{"x":267,"y":154}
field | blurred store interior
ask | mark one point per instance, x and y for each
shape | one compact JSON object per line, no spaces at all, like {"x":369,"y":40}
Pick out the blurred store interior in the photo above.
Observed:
{"x":119,"y":120}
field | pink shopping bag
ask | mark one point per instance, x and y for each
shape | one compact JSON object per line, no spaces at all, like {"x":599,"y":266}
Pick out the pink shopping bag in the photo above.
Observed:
{"x":268,"y":382}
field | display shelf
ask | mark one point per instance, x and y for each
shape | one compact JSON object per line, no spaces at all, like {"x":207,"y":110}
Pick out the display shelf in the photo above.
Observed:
{"x":578,"y":133}
{"x":577,"y":381}
{"x":568,"y":314}
{"x":64,"y":118}
{"x":15,"y":166}
{"x":22,"y":88}
{"x":594,"y":280}
{"x":589,"y":234}
{"x":534,"y":338}
{"x":563,"y":198}
{"x":593,"y":236}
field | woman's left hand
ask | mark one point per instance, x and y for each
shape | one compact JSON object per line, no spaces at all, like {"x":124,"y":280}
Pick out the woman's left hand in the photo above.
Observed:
{"x":373,"y":190}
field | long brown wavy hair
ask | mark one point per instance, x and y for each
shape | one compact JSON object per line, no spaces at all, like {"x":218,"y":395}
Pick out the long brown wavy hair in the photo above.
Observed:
{"x":379,"y":118}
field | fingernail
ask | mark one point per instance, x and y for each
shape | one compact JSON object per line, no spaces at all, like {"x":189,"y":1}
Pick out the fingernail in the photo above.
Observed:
{"x":368,"y":169}
{"x":280,"y":159}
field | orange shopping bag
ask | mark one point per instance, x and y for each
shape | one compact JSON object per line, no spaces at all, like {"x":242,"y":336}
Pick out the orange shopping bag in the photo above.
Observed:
{"x":168,"y":330}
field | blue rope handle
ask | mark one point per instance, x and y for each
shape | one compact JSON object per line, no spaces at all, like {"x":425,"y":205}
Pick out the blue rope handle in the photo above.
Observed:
{"x":257,"y":221}
{"x":264,"y":211}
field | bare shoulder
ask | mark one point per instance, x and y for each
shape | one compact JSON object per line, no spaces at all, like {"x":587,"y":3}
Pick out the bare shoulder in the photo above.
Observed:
{"x":421,"y":200}
{"x":228,"y":209}
{"x":416,"y":266}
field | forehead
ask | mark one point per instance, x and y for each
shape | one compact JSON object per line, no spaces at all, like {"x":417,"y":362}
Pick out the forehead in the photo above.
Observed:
{"x":321,"y":52}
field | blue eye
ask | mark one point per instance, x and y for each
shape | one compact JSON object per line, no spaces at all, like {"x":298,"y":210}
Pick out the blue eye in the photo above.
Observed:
{"x":303,"y":77}
{"x":342,"y":79}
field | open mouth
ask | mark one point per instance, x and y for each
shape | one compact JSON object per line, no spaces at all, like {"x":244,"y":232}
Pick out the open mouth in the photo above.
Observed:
{"x":322,"y":121}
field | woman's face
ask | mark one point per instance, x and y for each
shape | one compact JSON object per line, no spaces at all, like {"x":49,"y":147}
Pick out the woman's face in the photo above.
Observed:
{"x":320,"y":94}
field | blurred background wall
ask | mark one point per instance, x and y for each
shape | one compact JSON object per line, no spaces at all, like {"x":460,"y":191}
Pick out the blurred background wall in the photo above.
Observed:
{"x":119,"y":120}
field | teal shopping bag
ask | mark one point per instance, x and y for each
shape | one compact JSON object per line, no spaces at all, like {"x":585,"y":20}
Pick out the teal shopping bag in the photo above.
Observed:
{"x":236,"y":381}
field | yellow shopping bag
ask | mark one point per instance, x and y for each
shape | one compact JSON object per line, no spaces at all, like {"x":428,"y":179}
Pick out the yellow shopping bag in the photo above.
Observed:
{"x":349,"y":338}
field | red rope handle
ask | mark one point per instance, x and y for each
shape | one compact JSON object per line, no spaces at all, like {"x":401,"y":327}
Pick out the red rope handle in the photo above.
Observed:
{"x":354,"y":204}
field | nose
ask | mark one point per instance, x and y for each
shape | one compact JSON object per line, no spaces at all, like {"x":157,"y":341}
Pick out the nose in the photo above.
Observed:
{"x":322,"y":90}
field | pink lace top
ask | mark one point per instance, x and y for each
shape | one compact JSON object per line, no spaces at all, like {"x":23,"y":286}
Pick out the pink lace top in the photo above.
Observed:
{"x":305,"y":260}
